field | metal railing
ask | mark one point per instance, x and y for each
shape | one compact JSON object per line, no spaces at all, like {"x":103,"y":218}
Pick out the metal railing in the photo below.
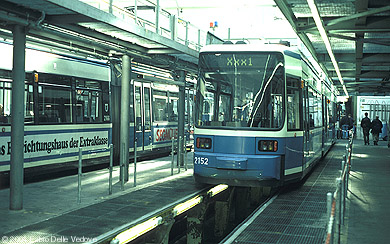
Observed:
{"x":336,"y":200}
{"x":150,"y":16}
{"x":181,"y":142}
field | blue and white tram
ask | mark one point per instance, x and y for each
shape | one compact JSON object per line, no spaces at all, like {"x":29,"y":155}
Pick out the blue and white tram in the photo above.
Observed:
{"x":263,"y":115}
{"x":154,"y":110}
{"x":69,"y":103}
{"x":66,"y":107}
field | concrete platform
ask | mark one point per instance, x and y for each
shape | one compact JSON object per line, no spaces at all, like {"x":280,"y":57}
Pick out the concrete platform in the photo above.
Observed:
{"x":51,"y":213}
{"x":368,"y":203}
{"x":298,"y":215}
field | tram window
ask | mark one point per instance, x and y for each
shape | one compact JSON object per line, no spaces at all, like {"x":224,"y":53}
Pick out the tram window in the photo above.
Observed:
{"x":29,"y":101}
{"x":315,"y":109}
{"x":55,"y":96}
{"x":138,"y":114}
{"x":95,"y":107}
{"x":160,"y":106}
{"x":89,"y":108}
{"x":277,"y":105}
{"x":332,"y":114}
{"x":147,"y":108}
{"x":241,"y":96}
{"x":224,"y":109}
{"x":82,"y":105}
{"x":208,"y":108}
{"x":5,"y":100}
{"x":54,"y":104}
{"x":312,"y":105}
{"x":55,"y":101}
{"x":294,"y":98}
{"x":172,"y":106}
{"x":131,"y":110}
{"x":318,"y":121}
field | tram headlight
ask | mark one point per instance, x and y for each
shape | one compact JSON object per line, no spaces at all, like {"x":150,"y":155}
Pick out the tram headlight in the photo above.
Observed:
{"x":203,"y":143}
{"x":268,"y":145}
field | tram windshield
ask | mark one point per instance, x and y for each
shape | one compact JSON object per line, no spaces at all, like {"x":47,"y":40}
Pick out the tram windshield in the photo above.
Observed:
{"x":240,"y":90}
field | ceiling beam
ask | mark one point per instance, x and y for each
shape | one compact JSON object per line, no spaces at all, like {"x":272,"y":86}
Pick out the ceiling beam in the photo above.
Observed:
{"x":364,"y":39}
{"x":162,"y":51}
{"x":361,"y":6}
{"x":289,"y":15}
{"x":69,"y":19}
{"x":120,"y":25}
{"x":94,"y":34}
{"x":380,"y":74}
{"x":374,"y":58}
{"x":374,"y":24}
{"x":360,"y":21}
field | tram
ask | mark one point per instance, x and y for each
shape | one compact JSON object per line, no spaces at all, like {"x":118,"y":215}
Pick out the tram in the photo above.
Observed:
{"x":263,"y":115}
{"x":69,"y":105}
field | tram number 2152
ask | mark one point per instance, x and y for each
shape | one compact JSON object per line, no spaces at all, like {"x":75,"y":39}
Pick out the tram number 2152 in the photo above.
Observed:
{"x":201,"y":160}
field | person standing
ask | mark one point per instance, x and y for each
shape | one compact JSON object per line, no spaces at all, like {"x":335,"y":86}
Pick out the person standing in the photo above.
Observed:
{"x":346,"y":125}
{"x":366,"y":125}
{"x":376,"y":128}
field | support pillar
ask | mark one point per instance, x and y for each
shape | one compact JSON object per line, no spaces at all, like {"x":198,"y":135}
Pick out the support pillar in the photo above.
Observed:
{"x":223,"y":211}
{"x":256,"y":195}
{"x":115,"y":109}
{"x":195,"y":224}
{"x":17,"y":119}
{"x":242,"y":203}
{"x":124,"y":122}
{"x":158,"y":16}
{"x":181,"y":112}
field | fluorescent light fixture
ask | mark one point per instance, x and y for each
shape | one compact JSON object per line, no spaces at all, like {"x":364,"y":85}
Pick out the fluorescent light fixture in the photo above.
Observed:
{"x":217,"y":189}
{"x":136,"y":231}
{"x":182,"y":207}
{"x":325,"y":39}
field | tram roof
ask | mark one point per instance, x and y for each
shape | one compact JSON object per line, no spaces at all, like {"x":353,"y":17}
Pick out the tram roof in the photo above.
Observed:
{"x":248,"y":48}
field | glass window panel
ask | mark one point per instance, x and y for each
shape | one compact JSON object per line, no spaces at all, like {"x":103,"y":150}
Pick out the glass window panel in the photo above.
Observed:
{"x":131,"y":111}
{"x":172,"y":106}
{"x":147,"y":108}
{"x":160,"y":106}
{"x":89,"y":108}
{"x":138,"y":112}
{"x":54,"y":104}
{"x":315,"y":109}
{"x":5,"y":101}
{"x":240,"y":90}
{"x":82,"y":104}
{"x":29,"y":107}
{"x":293,"y":103}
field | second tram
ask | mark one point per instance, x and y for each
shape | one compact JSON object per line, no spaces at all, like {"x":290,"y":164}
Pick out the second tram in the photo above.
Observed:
{"x":69,"y":105}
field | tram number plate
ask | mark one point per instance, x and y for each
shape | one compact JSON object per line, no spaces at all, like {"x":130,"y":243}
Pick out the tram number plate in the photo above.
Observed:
{"x":201,"y":161}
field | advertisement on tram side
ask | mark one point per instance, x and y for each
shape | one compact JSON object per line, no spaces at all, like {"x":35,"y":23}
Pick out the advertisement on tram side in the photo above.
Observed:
{"x":164,"y":134}
{"x":52,"y":145}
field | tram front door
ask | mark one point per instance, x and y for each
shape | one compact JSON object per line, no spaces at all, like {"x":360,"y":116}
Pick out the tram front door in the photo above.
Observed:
{"x":143,"y":122}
